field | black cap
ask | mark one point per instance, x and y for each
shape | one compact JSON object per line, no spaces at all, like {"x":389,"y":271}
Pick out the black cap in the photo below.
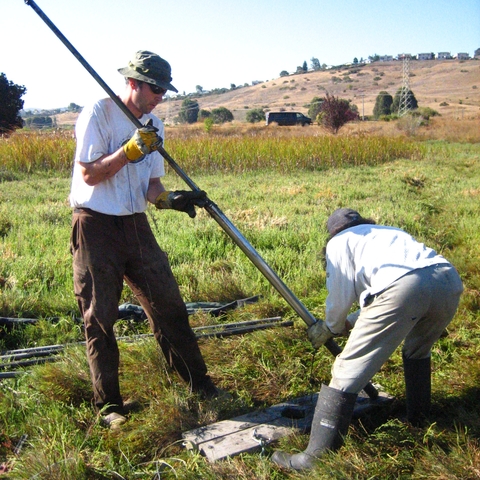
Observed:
{"x":341,"y":219}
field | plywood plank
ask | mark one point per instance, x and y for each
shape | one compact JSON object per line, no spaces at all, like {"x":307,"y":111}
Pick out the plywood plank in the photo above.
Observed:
{"x":249,"y":432}
{"x":252,"y":431}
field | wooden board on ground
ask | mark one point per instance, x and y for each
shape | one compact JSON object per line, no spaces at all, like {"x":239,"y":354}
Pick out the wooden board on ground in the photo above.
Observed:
{"x":252,"y":431}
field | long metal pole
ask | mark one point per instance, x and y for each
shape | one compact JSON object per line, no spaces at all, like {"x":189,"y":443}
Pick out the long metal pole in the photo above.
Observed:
{"x":210,"y":206}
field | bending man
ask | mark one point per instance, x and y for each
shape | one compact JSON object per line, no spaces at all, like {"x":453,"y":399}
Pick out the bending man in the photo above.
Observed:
{"x":407,"y":293}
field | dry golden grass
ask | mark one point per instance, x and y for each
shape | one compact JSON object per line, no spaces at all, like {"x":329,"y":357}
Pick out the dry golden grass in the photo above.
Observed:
{"x":445,"y":128}
{"x":452,"y":130}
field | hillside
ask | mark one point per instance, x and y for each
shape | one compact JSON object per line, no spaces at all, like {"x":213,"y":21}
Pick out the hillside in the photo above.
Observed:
{"x":434,"y":83}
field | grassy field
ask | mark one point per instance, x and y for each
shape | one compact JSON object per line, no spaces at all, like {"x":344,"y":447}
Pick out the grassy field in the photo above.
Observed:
{"x":278,"y":187}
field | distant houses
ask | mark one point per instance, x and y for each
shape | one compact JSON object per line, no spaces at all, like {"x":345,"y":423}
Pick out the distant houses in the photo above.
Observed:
{"x":427,"y":56}
{"x":385,"y":58}
{"x":444,"y":56}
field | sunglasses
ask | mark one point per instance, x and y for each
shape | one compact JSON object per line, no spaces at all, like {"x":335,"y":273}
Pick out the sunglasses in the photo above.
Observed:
{"x":156,"y":89}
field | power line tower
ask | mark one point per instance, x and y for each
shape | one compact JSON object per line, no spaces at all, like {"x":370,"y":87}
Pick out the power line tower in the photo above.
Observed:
{"x":404,"y":104}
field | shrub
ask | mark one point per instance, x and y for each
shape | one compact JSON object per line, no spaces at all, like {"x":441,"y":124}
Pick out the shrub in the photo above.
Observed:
{"x":383,"y":104}
{"x":39,"y":121}
{"x":427,"y":112}
{"x":203,"y":115}
{"x":189,"y":111}
{"x":315,"y":107}
{"x":336,"y":112}
{"x":409,"y":124}
{"x":221,"y":115}
{"x":255,"y":115}
{"x":208,"y":124}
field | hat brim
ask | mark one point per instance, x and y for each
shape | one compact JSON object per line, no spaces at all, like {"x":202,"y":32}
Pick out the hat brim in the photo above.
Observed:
{"x":130,"y":73}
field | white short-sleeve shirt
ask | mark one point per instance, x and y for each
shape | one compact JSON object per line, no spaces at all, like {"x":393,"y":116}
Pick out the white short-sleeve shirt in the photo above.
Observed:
{"x":102,"y":129}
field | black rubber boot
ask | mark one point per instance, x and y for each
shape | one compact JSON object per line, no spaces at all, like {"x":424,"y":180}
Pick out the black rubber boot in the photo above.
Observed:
{"x":418,"y":389}
{"x":331,"y":420}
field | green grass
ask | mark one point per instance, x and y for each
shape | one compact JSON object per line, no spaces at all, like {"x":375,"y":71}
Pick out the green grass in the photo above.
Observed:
{"x":280,"y":206}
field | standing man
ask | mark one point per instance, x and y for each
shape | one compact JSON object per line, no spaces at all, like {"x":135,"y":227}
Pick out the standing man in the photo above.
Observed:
{"x":406,"y":292}
{"x":116,"y":173}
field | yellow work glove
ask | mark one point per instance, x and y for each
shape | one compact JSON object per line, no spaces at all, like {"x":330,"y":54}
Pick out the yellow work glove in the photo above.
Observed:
{"x":181,"y":200}
{"x":144,"y":141}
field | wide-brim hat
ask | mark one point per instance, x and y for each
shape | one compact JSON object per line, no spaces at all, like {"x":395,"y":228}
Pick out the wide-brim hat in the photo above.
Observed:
{"x":342,"y":219}
{"x":150,"y":68}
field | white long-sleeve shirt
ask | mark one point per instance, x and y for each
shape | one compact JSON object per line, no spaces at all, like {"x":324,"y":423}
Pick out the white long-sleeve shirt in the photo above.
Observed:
{"x":364,"y":260}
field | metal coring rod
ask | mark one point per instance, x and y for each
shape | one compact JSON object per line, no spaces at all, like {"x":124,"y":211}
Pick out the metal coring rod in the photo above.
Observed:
{"x":210,"y":206}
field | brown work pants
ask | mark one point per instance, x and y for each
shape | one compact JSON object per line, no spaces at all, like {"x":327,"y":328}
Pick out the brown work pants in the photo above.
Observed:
{"x":107,"y":250}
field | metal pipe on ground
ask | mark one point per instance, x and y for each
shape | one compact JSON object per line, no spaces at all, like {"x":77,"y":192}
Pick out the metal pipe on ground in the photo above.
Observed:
{"x":20,"y":358}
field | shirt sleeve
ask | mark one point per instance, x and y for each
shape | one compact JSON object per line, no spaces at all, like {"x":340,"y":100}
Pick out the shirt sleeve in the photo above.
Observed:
{"x":92,"y":140}
{"x":340,"y":285}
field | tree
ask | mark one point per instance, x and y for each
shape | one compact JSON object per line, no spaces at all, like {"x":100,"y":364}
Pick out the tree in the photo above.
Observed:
{"x":355,"y":61}
{"x":315,"y":107}
{"x":284,"y":73}
{"x":199,"y":89}
{"x":255,"y":115}
{"x":411,"y":100}
{"x":221,"y":115}
{"x":315,"y":63}
{"x":10,"y":105}
{"x":189,"y":111}
{"x":335,"y":113}
{"x":305,"y":66}
{"x":383,"y":104}
{"x":73,"y":107}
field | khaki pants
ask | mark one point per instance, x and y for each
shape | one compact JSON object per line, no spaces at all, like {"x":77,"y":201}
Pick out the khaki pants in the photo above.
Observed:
{"x":416,"y":309}
{"x":106,"y":251}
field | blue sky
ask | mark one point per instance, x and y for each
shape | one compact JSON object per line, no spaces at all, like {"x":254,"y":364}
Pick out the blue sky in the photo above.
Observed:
{"x":214,"y":43}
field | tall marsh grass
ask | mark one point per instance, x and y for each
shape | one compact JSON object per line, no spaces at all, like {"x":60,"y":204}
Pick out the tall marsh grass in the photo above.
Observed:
{"x":219,"y":151}
{"x":36,"y":151}
{"x":240,"y":154}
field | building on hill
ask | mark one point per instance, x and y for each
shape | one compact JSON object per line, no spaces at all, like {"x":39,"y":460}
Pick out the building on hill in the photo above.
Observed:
{"x":463,"y":56}
{"x":426,"y":56}
{"x":444,"y":56}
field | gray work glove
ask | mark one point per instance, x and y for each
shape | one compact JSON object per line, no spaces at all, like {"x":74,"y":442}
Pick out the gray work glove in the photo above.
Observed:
{"x":182,"y":200}
{"x":319,"y":333}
